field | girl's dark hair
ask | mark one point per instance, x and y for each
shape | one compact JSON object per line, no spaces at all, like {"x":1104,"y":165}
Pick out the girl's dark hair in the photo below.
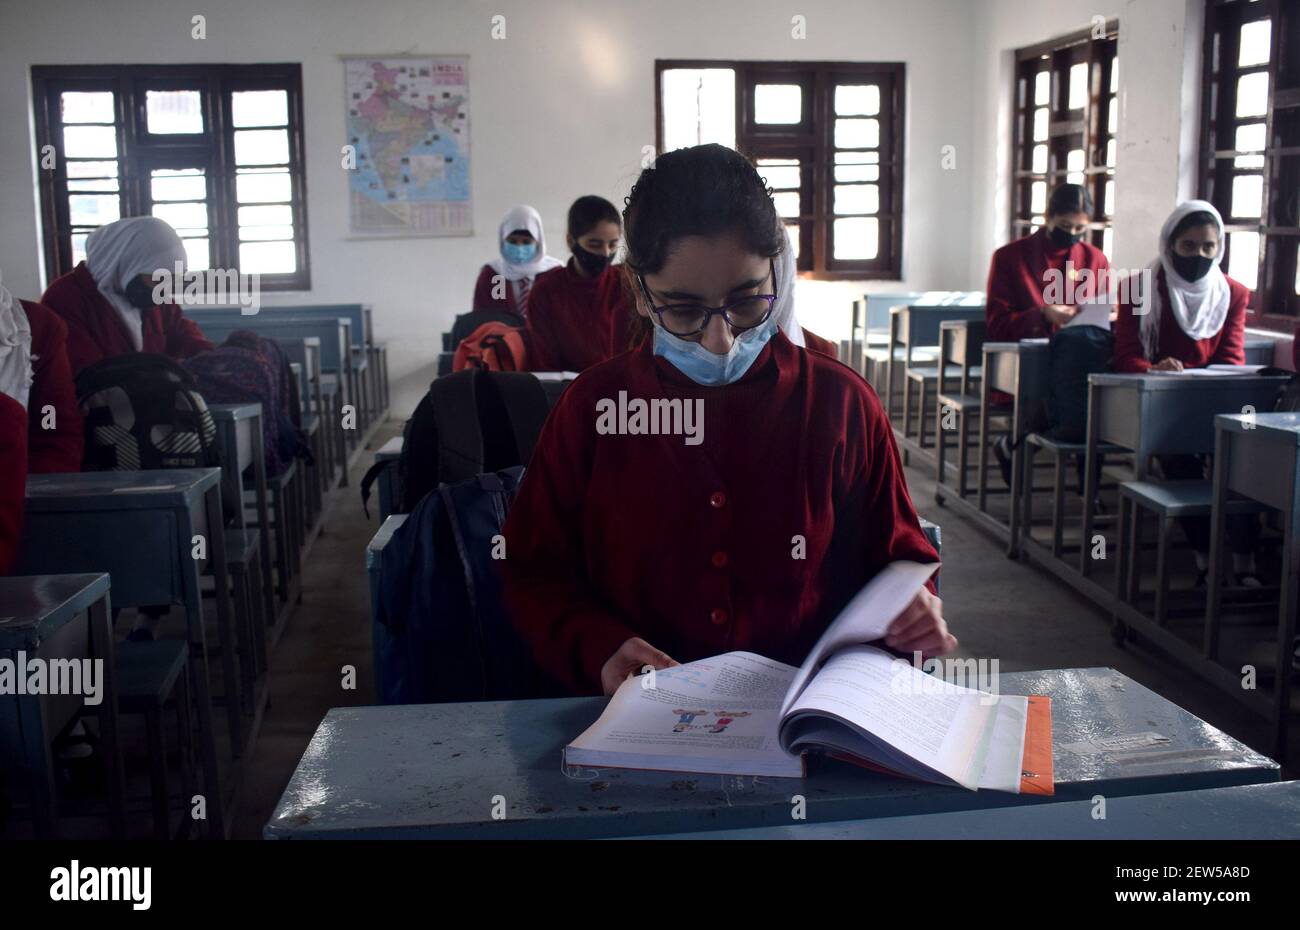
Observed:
{"x":700,"y":191}
{"x":1199,"y":218}
{"x":1070,"y":198}
{"x":590,"y":210}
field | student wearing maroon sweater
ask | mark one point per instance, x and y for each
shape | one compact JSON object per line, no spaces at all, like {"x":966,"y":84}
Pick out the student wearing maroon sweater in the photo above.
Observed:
{"x":1027,"y":274}
{"x":749,"y":530}
{"x":107,"y":300}
{"x":13,"y":478}
{"x":1193,"y":315}
{"x":573,"y":310}
{"x":506,"y":282}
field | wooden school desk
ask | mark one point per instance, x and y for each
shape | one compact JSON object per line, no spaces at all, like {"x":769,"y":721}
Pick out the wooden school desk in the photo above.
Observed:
{"x":50,"y":618}
{"x":912,"y":328}
{"x":1160,"y":414}
{"x":1247,"y":812}
{"x":438,"y":770}
{"x":1259,"y":457}
{"x":389,"y":486}
{"x":138,"y":526}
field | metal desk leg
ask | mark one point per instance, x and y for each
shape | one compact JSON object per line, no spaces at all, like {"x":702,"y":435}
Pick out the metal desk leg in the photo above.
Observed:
{"x":263,"y":523}
{"x":101,"y":642}
{"x":225,"y":631}
{"x":1286,"y":627}
{"x":983,"y":466}
{"x":1218,"y":527}
{"x":1018,"y":476}
{"x":1089,"y":484}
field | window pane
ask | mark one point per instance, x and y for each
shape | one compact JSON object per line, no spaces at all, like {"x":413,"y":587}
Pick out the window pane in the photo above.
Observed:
{"x":1112,"y":118}
{"x":1074,"y":160}
{"x":857,"y":198}
{"x":779,"y":173}
{"x":857,"y":100}
{"x":171,"y":112}
{"x":1252,"y":94}
{"x":1078,"y":87}
{"x":256,"y":233}
{"x":857,"y":133}
{"x":86,"y":107}
{"x":197,"y":253}
{"x":183,"y":217}
{"x":92,"y":209}
{"x":787,"y":204}
{"x":1040,"y":125}
{"x":857,"y":173}
{"x":778,"y":103}
{"x":263,"y":185}
{"x":1256,"y":41}
{"x":1250,"y":138}
{"x":89,"y":142}
{"x":1112,"y":150}
{"x":1042,"y":89}
{"x":259,"y":108}
{"x":1114,"y":75}
{"x":856,"y":239}
{"x":1243,"y":258}
{"x":94,"y":184}
{"x":1038,"y":197}
{"x":792,"y":232}
{"x":178,"y":184}
{"x":91,"y":169}
{"x":1108,"y":242}
{"x":699,"y":106}
{"x":267,"y":258}
{"x":1108,"y":206}
{"x":262,"y":147}
{"x":78,"y":247}
{"x":265,"y":216}
{"x":1247,"y":195}
{"x":1040,"y":159}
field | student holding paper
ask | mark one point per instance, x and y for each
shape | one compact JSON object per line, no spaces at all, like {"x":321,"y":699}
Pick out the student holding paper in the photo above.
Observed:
{"x":1195,"y":317}
{"x":768,"y":491}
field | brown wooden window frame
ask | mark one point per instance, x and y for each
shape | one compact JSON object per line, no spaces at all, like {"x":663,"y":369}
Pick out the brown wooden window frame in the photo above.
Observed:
{"x":1067,"y":130}
{"x":812,"y":142}
{"x":139,"y":151}
{"x":1274,"y":303}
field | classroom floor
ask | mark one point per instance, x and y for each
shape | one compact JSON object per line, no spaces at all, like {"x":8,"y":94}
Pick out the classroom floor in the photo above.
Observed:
{"x":998,"y":608}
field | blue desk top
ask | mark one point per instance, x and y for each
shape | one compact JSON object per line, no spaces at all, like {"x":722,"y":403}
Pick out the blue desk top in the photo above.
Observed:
{"x":1248,"y":812}
{"x":434,"y":770}
{"x":32,"y":607}
{"x":381,"y":537}
{"x":1276,"y":426}
{"x":1179,"y":382}
{"x":235,"y":411}
{"x":118,"y":490}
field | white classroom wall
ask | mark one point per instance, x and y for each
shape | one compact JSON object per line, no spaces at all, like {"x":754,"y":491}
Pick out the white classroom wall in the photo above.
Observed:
{"x":564,"y":106}
{"x":561,"y":107}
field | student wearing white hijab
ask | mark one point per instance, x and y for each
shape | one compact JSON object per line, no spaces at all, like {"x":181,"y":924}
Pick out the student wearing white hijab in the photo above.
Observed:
{"x":1192,"y":315}
{"x":107,"y":300}
{"x":505,"y":281}
{"x":35,"y":374}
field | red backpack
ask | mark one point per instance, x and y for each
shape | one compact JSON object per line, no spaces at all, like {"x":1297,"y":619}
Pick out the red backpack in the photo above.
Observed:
{"x":492,"y":347}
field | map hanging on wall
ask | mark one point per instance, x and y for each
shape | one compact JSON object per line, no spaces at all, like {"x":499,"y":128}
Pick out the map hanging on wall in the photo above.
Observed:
{"x":408,"y":123}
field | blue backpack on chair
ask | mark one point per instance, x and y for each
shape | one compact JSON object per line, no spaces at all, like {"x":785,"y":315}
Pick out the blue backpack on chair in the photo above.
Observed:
{"x":441,"y":632}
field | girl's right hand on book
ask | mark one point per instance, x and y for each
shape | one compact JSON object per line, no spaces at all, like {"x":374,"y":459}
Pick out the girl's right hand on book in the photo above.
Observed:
{"x":632,"y":656}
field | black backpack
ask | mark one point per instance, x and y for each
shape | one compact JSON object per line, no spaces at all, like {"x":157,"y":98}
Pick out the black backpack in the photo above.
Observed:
{"x":144,"y":411}
{"x":468,"y":423}
{"x":1076,"y":353}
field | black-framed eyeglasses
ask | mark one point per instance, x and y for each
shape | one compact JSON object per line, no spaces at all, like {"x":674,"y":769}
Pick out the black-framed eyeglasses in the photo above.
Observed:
{"x":692,"y":319}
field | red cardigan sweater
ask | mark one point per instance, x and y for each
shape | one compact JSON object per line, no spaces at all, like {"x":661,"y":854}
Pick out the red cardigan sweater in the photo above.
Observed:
{"x":571,"y":319}
{"x":696,"y":548}
{"x":1018,"y":277}
{"x":1227,"y":347}
{"x":57,"y":449}
{"x":96,"y":332}
{"x":13,"y":478}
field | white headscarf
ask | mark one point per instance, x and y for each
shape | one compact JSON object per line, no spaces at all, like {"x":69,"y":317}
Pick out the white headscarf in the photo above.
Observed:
{"x":783,"y":309}
{"x":15,"y":349}
{"x":526,"y":218}
{"x":1200,"y":307}
{"x":120,"y":251}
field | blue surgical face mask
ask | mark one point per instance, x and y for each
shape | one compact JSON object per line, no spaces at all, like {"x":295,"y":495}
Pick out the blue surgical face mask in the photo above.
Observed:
{"x":703,"y":366}
{"x":518,"y":254}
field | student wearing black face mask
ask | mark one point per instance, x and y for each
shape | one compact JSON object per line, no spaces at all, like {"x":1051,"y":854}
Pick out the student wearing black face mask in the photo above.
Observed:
{"x":1193,"y":315}
{"x":573,"y":311}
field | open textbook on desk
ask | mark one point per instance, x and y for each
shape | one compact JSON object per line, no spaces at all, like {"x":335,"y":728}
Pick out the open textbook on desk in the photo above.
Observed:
{"x":742,"y":714}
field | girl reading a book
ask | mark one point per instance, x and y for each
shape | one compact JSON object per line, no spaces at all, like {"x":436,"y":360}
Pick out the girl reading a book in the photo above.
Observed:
{"x":627,"y":550}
